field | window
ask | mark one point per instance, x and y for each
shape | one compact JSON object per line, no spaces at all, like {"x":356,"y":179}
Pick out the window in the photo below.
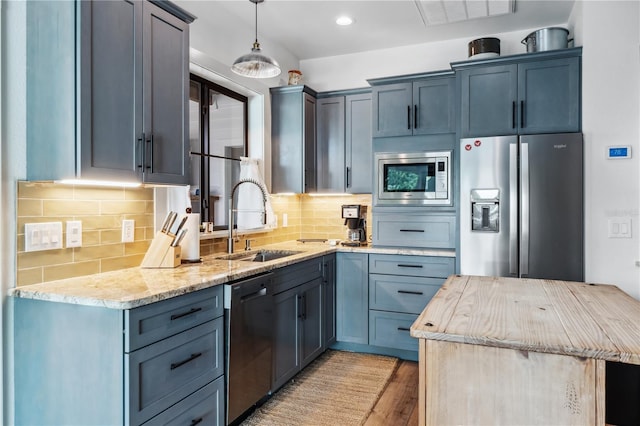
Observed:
{"x":217,"y":128}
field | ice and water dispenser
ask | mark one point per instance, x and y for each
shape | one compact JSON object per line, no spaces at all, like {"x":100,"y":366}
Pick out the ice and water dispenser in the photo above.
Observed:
{"x":485,"y":210}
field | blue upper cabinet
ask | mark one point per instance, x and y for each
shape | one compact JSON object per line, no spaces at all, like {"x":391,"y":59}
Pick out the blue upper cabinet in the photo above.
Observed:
{"x":521,"y":94}
{"x":293,"y":139}
{"x":413,"y":105}
{"x":343,"y":145}
{"x":126,"y":108}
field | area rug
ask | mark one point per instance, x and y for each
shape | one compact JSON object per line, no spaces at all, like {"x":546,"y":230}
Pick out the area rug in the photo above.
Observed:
{"x":339,"y":388}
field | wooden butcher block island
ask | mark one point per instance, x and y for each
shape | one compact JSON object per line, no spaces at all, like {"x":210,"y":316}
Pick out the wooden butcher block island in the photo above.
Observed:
{"x":522,"y":351}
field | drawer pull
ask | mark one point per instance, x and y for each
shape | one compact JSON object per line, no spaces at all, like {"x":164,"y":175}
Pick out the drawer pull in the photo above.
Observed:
{"x":419,"y":293}
{"x":403,"y":329}
{"x":194,"y":422}
{"x":181,"y":363}
{"x":184,"y":314}
{"x":412,"y":230}
{"x":402,"y":265}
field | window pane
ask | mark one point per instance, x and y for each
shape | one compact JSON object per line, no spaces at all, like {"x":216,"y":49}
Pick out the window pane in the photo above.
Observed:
{"x":226,"y":139}
{"x":195,"y":144}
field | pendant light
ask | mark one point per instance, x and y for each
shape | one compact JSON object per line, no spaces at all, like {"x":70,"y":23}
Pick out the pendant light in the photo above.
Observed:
{"x":255,"y":64}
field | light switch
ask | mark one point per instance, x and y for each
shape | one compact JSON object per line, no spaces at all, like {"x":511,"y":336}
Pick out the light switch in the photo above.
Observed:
{"x":619,"y":227}
{"x":42,"y":236}
{"x":74,"y":233}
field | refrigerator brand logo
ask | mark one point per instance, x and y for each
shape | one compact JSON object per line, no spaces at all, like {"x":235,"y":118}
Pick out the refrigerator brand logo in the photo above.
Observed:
{"x":563,"y":146}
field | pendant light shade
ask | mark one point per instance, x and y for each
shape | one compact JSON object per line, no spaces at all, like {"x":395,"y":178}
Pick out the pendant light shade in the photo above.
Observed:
{"x":255,"y":64}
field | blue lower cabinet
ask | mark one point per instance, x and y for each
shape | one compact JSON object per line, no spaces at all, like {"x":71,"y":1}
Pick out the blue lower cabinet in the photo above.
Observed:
{"x":77,"y":364}
{"x":391,"y":330}
{"x":205,"y":407}
{"x":168,"y":371}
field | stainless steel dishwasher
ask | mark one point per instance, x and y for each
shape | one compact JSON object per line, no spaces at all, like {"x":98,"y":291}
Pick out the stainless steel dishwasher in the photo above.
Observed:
{"x":249,"y":321}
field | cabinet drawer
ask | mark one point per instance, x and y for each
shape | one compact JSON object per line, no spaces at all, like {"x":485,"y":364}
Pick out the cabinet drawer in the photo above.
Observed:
{"x":162,"y":374}
{"x":296,"y":274}
{"x":154,"y":322}
{"x":401,"y":294}
{"x":205,"y":407}
{"x":417,"y":266}
{"x":429,"y":231}
{"x":391,"y":330}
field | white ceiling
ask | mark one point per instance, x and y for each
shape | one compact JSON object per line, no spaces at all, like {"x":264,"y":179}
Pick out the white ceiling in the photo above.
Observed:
{"x":307,"y":27}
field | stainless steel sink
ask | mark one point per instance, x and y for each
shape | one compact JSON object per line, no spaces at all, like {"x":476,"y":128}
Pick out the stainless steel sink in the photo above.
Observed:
{"x":259,"y":255}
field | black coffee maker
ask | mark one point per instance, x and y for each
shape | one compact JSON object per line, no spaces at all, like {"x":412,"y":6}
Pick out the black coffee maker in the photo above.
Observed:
{"x":355,"y":217}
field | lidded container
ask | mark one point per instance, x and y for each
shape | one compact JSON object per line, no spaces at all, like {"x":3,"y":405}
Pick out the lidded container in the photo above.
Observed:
{"x":551,"y":38}
{"x":484,"y":48}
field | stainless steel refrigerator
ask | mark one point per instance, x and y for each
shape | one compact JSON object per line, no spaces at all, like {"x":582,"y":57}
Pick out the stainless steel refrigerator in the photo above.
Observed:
{"x":521,"y":206}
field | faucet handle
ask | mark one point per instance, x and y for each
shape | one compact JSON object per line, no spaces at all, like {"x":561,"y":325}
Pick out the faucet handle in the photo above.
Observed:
{"x":247,"y":244}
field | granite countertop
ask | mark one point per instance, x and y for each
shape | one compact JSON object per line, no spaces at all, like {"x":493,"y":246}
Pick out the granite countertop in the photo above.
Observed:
{"x":134,"y":287}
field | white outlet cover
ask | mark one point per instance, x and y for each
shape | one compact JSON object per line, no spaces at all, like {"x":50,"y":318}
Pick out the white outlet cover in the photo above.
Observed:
{"x":128,"y":230}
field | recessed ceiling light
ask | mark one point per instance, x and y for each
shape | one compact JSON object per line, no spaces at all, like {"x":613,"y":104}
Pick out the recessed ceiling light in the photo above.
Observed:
{"x":344,"y":20}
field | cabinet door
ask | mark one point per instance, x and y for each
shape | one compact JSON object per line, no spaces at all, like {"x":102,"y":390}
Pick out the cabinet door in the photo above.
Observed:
{"x":330,"y":153}
{"x":352,"y":297}
{"x":166,"y":96}
{"x":111,"y":90}
{"x":488,"y":105}
{"x":549,"y":93}
{"x":433,"y":105}
{"x":358,"y":144}
{"x":309,"y":132}
{"x":392,"y":110}
{"x":286,"y":361}
{"x":329,"y":301}
{"x":310,"y":315}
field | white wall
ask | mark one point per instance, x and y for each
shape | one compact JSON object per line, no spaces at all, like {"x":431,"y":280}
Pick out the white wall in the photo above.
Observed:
{"x":352,"y":71}
{"x":609,"y":34}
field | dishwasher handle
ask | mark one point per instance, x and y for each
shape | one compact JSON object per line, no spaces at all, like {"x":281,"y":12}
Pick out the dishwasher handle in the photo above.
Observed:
{"x":260,"y":293}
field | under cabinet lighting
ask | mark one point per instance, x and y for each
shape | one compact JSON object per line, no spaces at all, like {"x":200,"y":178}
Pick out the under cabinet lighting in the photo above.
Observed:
{"x":86,"y":182}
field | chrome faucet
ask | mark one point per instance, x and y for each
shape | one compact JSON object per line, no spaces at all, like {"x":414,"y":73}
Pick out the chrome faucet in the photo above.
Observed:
{"x":231,"y":209}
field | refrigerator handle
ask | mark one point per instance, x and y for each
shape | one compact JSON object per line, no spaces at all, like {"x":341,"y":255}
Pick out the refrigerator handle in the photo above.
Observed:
{"x":524,"y":208}
{"x":513,"y":209}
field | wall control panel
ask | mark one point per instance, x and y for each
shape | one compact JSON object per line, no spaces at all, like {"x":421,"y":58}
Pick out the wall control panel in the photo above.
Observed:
{"x":619,"y":152}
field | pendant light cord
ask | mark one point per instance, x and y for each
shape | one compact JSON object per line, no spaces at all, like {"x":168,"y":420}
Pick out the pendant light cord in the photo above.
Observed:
{"x":256,"y":3}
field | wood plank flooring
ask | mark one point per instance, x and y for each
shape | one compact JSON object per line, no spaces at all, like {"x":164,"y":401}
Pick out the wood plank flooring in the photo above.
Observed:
{"x":398,"y":404}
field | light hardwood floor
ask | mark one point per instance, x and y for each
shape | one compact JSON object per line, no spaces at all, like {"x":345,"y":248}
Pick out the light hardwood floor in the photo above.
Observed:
{"x":398,"y":404}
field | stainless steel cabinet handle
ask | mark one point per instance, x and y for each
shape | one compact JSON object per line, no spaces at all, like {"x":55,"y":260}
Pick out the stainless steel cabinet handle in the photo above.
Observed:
{"x":181,"y":363}
{"x":184,"y":314}
{"x":418,"y":293}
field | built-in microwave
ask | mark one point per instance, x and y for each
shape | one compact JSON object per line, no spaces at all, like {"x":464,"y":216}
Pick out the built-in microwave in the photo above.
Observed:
{"x":417,"y":178}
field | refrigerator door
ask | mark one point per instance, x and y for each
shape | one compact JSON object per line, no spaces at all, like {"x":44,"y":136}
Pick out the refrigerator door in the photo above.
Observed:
{"x":551,"y":207}
{"x":488,"y":206}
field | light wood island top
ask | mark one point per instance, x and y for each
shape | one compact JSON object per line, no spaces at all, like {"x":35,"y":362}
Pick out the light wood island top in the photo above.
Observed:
{"x":558,"y":317}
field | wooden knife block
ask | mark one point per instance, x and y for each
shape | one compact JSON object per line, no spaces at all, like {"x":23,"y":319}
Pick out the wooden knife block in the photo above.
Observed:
{"x":160,"y":253}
